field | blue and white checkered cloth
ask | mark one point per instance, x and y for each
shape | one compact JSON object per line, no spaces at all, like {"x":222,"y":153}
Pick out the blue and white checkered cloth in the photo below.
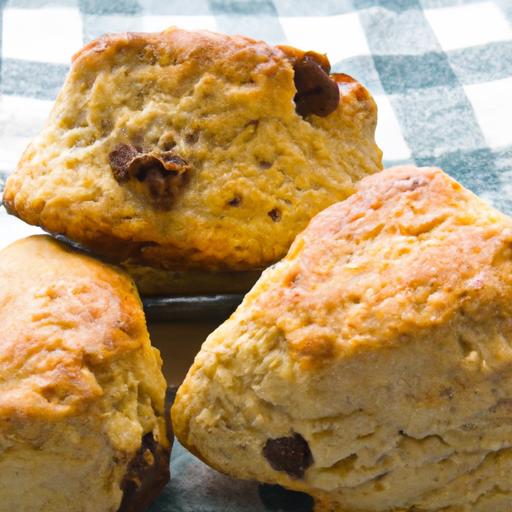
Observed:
{"x":440,"y":70}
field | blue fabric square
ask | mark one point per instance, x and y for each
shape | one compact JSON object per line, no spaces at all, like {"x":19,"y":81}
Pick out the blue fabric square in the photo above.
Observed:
{"x":32,"y":79}
{"x":256,"y":19}
{"x":399,"y":73}
{"x":243,"y":7}
{"x":475,"y":169}
{"x":492,"y":61}
{"x":437,"y":120}
{"x":362,"y":68}
{"x":398,"y":33}
{"x":110,"y":7}
{"x":392,"y":5}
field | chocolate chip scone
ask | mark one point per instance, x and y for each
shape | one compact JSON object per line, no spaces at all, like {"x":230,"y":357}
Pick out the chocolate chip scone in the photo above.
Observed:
{"x":194,"y":150}
{"x":83,"y":423}
{"x":372,"y":367}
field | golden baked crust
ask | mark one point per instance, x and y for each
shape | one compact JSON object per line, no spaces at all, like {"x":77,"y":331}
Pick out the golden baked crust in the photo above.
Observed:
{"x":371,"y":367}
{"x":184,"y":150}
{"x":80,"y":384}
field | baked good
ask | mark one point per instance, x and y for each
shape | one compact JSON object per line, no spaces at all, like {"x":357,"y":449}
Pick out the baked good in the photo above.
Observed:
{"x":194,"y":150}
{"x":82,"y":418}
{"x":154,"y":281}
{"x":372,"y":366}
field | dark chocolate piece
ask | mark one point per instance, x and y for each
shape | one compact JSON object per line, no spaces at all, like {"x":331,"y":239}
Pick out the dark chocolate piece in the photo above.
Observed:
{"x":149,"y":472}
{"x":275,"y":214}
{"x":120,"y":159}
{"x":235,"y":201}
{"x":317,"y":92}
{"x":162,"y":171}
{"x":147,"y":475}
{"x":277,"y":498}
{"x":289,"y":454}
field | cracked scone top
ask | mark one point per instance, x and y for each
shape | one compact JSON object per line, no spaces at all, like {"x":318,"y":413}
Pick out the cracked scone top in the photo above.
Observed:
{"x":372,"y":366}
{"x":83,"y":425}
{"x":194,"y":149}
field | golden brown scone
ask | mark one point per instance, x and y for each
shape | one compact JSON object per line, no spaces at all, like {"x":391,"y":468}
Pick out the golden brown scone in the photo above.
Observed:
{"x":82,"y":415}
{"x":372,"y":367}
{"x":186,"y":150}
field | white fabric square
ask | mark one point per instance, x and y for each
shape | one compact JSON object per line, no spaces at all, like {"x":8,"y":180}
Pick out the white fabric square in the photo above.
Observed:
{"x":468,"y":25}
{"x":159,"y":23}
{"x":43,"y":35}
{"x":493,"y":108}
{"x":11,"y":229}
{"x":339,"y":36}
{"x":388,"y":134}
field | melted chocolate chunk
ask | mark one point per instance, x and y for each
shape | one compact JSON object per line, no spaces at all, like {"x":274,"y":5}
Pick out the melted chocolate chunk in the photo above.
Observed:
{"x":162,"y":171}
{"x":235,"y":201}
{"x":289,"y":454}
{"x":147,"y":475}
{"x":317,"y":92}
{"x":275,"y":497}
{"x":275,"y":214}
{"x":120,"y":160}
{"x":148,"y":472}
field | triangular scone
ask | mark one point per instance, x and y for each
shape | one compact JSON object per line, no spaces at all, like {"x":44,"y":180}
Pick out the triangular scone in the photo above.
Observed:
{"x":372,"y":367}
{"x":194,"y":149}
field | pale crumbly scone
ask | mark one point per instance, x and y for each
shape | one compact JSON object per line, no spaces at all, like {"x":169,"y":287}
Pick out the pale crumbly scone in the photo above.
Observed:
{"x":185,"y":150}
{"x":83,"y":425}
{"x":372,"y":367}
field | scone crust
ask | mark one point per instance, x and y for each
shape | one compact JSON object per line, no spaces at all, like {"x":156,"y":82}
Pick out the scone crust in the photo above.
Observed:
{"x":257,"y":171}
{"x":382,"y":343}
{"x":78,"y":313}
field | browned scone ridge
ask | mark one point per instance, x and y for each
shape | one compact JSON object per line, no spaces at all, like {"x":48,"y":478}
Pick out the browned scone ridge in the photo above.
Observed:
{"x":82,"y":413}
{"x":372,"y":367}
{"x":194,"y":150}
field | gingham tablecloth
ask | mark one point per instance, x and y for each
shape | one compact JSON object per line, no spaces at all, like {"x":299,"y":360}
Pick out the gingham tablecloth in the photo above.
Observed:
{"x":440,"y":70}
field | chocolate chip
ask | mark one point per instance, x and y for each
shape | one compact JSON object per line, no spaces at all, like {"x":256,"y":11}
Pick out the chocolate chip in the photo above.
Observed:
{"x":275,"y":497}
{"x":148,"y":471}
{"x":235,"y":201}
{"x":289,"y":454}
{"x":162,"y":171}
{"x":275,"y":214}
{"x":120,"y":159}
{"x":317,"y":92}
{"x":147,"y":475}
